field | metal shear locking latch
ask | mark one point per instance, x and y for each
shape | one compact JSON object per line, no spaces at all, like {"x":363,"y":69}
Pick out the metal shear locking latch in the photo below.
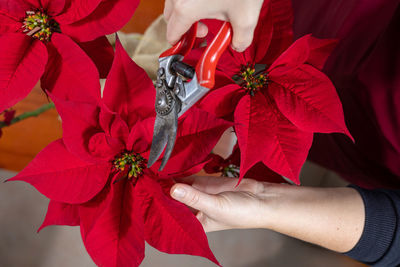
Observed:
{"x":179,"y":86}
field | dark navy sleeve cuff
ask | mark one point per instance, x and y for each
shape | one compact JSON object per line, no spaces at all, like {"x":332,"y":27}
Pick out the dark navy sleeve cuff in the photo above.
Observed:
{"x":379,"y":229}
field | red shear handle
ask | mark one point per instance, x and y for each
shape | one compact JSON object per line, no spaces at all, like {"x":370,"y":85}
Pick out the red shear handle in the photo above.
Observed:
{"x":205,"y":68}
{"x":184,"y":45}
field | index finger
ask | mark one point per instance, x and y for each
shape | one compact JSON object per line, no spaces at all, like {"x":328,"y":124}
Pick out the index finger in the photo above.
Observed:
{"x":216,"y":185}
{"x":177,"y":26}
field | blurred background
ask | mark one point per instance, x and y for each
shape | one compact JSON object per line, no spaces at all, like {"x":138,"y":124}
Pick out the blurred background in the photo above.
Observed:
{"x":22,"y":208}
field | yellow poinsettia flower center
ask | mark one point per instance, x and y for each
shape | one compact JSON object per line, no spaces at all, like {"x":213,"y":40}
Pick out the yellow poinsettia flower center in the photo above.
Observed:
{"x":253,"y":81}
{"x":39,"y":25}
{"x":131,"y":162}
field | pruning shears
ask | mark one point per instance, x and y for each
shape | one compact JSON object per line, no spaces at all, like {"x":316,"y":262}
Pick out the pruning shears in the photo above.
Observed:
{"x":179,"y":86}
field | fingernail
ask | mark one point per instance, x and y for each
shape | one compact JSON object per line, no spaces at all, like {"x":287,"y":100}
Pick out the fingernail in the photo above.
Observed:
{"x":179,"y":192}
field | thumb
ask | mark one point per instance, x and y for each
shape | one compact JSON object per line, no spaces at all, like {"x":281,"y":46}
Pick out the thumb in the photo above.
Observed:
{"x":193,"y":197}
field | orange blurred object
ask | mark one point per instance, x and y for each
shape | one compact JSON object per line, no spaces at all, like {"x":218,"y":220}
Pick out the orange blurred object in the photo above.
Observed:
{"x":146,"y":13}
{"x":22,"y":141}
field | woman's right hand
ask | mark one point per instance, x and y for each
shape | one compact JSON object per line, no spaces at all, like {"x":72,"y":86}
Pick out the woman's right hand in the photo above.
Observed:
{"x":242,"y":14}
{"x":221,"y":205}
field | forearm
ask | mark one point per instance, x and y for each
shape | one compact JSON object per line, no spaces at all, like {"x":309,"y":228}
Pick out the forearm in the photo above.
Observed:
{"x":330,"y":217}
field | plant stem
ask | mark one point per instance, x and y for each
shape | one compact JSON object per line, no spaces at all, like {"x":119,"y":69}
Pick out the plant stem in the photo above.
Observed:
{"x":28,"y":114}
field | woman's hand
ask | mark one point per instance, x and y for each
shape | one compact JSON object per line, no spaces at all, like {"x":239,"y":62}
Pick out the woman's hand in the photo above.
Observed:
{"x":329,"y":217}
{"x":221,"y":205}
{"x":242,"y":14}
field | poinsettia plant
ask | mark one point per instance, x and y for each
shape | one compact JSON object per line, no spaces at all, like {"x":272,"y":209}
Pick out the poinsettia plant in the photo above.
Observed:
{"x":97,"y":177}
{"x":276,"y":95}
{"x":56,"y":41}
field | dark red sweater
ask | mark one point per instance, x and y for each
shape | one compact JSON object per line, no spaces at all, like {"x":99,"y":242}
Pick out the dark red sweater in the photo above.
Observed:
{"x":365,"y":68}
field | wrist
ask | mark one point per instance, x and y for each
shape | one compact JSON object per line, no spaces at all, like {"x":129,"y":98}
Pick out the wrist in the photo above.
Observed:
{"x":329,"y":217}
{"x":271,"y":200}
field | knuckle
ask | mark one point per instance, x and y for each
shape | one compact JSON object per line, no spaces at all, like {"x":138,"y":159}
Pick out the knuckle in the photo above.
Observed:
{"x":203,"y":220}
{"x":221,"y":202}
{"x":251,"y":185}
{"x":193,"y":199}
{"x":181,"y":7}
{"x":200,"y":216}
{"x":179,"y":12}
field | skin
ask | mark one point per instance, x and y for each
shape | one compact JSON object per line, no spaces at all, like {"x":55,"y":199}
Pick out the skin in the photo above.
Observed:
{"x":329,"y":217}
{"x":242,"y":14}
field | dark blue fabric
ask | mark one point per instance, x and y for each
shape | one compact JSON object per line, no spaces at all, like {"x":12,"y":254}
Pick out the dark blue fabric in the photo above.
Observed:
{"x":379,"y":244}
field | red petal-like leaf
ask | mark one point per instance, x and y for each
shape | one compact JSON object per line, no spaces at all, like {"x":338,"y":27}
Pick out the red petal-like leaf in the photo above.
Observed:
{"x":76,"y":10}
{"x":215,"y":165}
{"x":198,"y":133}
{"x":22,"y":62}
{"x":102,"y":54}
{"x":282,"y":37}
{"x":288,"y":151}
{"x":32,"y":4}
{"x":170,"y":226}
{"x":263,"y":33}
{"x":309,"y":100}
{"x":8,"y":24}
{"x":262,"y":173}
{"x":104,"y":147}
{"x":80,"y":123}
{"x":185,"y":173}
{"x":15,"y":8}
{"x":90,"y":211}
{"x":264,"y":134}
{"x":60,"y":176}
{"x":109,"y":17}
{"x":222,"y":101}
{"x":306,"y":49}
{"x":112,"y":226}
{"x":9,"y":116}
{"x":231,"y":62}
{"x":112,"y":123}
{"x":222,"y":79}
{"x":141,"y":136}
{"x":119,"y":129}
{"x":320,"y":50}
{"x":70,"y":73}
{"x":61,"y":214}
{"x":128,"y":90}
{"x":253,"y":125}
{"x":53,"y":7}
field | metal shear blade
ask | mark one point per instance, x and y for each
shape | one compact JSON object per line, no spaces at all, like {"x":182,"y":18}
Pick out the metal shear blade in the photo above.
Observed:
{"x":165,"y":129}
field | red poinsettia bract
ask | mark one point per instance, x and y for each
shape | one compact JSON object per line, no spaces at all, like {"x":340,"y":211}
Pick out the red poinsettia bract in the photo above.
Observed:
{"x":8,"y":117}
{"x":230,"y":167}
{"x":277,"y":106}
{"x":45,"y":38}
{"x":97,"y":177}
